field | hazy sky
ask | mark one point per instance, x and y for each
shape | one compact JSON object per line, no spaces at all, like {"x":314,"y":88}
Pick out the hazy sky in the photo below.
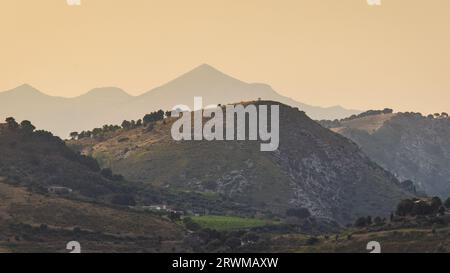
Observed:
{"x":321,"y":52}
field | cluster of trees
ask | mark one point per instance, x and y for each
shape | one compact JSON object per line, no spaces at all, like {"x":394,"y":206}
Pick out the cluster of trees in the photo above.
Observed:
{"x":409,"y":207}
{"x":417,"y":207}
{"x":190,"y":224}
{"x":337,"y":123}
{"x":96,"y":132}
{"x":108,"y":174}
{"x":25,"y":126}
{"x":155,"y":116}
{"x":370,"y":113}
{"x":368,"y":221}
{"x":126,"y":125}
{"x":123,"y":200}
{"x":418,"y":115}
{"x":330,"y":123}
{"x":442,"y":115}
{"x":44,"y":160}
{"x":29,"y":129}
{"x":146,"y":120}
{"x":132,"y":124}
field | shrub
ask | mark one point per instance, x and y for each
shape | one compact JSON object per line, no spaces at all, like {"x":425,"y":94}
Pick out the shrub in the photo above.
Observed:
{"x":43,"y":227}
{"x":233,"y":242}
{"x":447,"y":203}
{"x":124,"y":200}
{"x":251,"y":237}
{"x":154,"y":116}
{"x":312,"y":241}
{"x":123,"y":139}
{"x":436,"y":203}
{"x":190,"y":224}
{"x":27,"y":127}
{"x":126,"y":125}
{"x":361,"y":222}
{"x":76,"y":230}
{"x":422,"y":208}
{"x":107,"y":173}
{"x":405,"y":207}
{"x":118,"y":177}
{"x":378,"y":221}
{"x":301,"y":213}
{"x":12,"y":124}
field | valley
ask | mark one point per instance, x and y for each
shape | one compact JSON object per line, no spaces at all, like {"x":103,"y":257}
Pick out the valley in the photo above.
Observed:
{"x":132,"y":188}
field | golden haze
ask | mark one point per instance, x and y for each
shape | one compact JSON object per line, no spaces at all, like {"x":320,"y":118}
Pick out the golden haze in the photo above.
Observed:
{"x":321,"y":52}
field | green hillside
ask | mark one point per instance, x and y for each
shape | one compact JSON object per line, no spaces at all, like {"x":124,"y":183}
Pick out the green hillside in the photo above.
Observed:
{"x":313,"y":168}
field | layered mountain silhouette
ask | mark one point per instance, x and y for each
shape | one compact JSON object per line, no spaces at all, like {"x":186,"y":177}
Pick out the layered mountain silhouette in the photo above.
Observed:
{"x":111,"y":105}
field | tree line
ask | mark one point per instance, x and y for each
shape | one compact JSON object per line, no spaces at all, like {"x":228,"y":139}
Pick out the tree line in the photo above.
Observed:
{"x":410,"y":208}
{"x":126,"y":125}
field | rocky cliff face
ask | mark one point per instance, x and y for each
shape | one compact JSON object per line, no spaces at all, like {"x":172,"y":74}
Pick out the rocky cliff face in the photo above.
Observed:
{"x":313,"y":168}
{"x":329,"y":174}
{"x":413,"y":147}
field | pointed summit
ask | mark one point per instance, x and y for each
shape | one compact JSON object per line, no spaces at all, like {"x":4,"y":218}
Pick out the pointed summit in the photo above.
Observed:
{"x":205,"y":68}
{"x":206,"y":74}
{"x":24,"y":90}
{"x":25,"y":86}
{"x":203,"y":81}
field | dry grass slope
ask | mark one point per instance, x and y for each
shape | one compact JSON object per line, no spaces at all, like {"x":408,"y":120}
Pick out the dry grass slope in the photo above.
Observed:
{"x":33,"y":222}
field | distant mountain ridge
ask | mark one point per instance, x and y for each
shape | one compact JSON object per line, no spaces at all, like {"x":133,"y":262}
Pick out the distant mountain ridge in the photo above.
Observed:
{"x":111,"y":105}
{"x":410,"y":145}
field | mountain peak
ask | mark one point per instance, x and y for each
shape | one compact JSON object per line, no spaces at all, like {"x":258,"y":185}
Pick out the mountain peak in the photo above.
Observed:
{"x":206,"y":68}
{"x":204,"y":75}
{"x":25,"y":86}
{"x":24,"y":89}
{"x":111,"y":92}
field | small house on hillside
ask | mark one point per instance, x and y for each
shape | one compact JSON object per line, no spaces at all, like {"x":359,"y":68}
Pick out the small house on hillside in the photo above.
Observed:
{"x":59,"y":190}
{"x":155,"y":207}
{"x":160,"y":208}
